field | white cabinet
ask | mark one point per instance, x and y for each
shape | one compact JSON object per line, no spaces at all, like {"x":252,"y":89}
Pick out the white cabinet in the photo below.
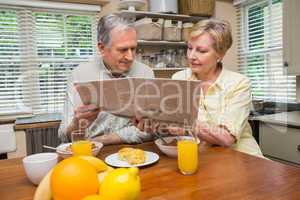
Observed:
{"x":280,"y":141}
{"x":291,"y":36}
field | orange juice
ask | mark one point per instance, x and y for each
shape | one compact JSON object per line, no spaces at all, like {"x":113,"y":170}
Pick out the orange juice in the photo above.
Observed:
{"x":82,"y":147}
{"x":187,"y":156}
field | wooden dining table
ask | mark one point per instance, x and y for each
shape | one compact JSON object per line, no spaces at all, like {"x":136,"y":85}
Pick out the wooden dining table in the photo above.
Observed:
{"x":222,"y":174}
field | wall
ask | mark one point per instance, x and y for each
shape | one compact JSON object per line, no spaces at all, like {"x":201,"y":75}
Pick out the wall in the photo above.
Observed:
{"x":225,"y":10}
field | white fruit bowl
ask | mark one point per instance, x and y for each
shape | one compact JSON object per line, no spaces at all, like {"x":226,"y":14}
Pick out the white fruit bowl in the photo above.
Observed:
{"x":38,"y":165}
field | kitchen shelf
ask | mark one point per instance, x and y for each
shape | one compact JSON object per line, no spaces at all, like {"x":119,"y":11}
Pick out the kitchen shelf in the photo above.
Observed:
{"x":160,"y":42}
{"x":141,"y":14}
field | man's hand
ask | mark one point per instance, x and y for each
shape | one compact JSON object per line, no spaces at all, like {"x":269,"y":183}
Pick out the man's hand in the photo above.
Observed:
{"x":86,"y":114}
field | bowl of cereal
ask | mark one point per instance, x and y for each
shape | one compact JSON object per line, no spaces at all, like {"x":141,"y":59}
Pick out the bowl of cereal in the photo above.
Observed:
{"x":170,"y":147}
{"x":65,"y":150}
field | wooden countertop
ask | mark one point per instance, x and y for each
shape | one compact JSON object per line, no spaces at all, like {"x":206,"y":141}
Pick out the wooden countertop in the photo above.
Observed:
{"x":38,"y":121}
{"x":222,"y":174}
{"x":284,"y":118}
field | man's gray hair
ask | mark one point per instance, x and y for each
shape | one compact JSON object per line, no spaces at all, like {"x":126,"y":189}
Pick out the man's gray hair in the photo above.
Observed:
{"x":108,"y":23}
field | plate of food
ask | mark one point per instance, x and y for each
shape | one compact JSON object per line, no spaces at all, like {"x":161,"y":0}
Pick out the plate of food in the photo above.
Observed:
{"x":65,"y":151}
{"x":131,"y":157}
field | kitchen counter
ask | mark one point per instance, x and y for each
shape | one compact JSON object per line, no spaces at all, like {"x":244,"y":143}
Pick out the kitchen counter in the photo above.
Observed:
{"x":291,"y":119}
{"x":279,"y":136}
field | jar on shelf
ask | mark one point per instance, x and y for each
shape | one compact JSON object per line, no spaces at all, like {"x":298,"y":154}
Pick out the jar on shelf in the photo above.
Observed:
{"x":186,"y":30}
{"x":170,"y":58}
{"x":139,"y":55}
{"x":160,"y":60}
{"x":146,"y":60}
{"x":181,"y":58}
{"x":152,"y":61}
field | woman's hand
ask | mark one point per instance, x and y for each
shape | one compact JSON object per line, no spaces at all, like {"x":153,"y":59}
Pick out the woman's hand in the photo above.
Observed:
{"x":146,"y":125}
{"x":218,"y":135}
{"x":175,"y":130}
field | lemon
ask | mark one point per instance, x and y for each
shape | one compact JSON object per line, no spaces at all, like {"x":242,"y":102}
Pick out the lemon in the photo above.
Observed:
{"x":121,"y":184}
{"x":94,"y":197}
{"x":101,"y":175}
{"x":99,"y":165}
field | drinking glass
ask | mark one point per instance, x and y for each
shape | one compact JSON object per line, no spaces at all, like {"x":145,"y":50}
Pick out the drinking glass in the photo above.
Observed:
{"x":187,"y":155}
{"x":80,"y":144}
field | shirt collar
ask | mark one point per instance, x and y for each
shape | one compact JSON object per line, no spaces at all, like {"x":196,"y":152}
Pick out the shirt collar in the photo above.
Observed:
{"x":220,"y":81}
{"x":109,"y":72}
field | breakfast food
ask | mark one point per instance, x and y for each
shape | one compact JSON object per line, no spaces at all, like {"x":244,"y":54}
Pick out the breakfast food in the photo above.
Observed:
{"x":132,"y":156}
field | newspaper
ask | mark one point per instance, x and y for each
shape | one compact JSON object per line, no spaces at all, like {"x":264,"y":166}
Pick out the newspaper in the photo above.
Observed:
{"x":166,"y":100}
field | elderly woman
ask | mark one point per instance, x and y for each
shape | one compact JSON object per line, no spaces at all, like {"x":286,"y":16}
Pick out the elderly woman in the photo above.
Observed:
{"x":226,"y":98}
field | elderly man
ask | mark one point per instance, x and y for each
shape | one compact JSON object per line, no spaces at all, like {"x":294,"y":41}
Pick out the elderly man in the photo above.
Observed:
{"x":117,"y":43}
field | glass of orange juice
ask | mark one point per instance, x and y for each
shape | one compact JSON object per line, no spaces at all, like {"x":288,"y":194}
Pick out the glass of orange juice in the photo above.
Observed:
{"x":187,"y":155}
{"x":80,"y":144}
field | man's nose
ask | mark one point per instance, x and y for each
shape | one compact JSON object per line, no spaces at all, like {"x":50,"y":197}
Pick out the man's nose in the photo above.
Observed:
{"x":129,"y":55}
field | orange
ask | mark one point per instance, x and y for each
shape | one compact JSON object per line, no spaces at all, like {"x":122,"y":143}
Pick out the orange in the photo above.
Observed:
{"x":73,"y":179}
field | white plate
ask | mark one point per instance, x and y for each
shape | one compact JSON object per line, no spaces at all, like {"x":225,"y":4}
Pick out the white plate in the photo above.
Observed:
{"x":113,"y":160}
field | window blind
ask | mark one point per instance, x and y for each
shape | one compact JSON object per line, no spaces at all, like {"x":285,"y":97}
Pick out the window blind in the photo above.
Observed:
{"x":260,"y":54}
{"x":38,"y":51}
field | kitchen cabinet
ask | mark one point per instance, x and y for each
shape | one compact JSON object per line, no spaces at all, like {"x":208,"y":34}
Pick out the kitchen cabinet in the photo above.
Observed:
{"x":156,"y":46}
{"x":279,"y":136}
{"x":291,"y":32}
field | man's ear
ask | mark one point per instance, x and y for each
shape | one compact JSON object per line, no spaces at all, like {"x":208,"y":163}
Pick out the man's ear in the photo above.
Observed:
{"x":101,"y":47}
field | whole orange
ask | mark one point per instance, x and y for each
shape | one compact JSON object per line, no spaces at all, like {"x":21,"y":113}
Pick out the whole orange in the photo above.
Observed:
{"x":73,"y":179}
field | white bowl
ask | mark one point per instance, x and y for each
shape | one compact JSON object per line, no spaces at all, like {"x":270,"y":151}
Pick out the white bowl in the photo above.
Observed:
{"x":38,"y":165}
{"x":170,"y":151}
{"x":66,"y":152}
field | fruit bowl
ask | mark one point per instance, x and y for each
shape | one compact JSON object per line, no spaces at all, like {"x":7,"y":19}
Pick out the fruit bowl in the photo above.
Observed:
{"x":170,"y":149}
{"x":64,"y":150}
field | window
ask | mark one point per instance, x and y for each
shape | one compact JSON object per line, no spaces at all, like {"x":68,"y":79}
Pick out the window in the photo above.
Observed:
{"x":260,"y":50}
{"x":38,"y":49}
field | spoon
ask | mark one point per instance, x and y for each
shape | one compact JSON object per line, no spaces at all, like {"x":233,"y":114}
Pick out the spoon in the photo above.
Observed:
{"x":54,"y":148}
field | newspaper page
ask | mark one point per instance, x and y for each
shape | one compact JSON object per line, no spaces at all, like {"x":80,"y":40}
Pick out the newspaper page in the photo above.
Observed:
{"x":166,"y":100}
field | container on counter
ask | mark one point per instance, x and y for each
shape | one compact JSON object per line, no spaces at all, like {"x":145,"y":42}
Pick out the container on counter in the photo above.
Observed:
{"x":163,"y":6}
{"x":186,"y":30}
{"x":149,"y":29}
{"x":172,"y":30}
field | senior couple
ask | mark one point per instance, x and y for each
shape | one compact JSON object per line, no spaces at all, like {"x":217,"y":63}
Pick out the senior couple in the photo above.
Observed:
{"x":221,"y":122}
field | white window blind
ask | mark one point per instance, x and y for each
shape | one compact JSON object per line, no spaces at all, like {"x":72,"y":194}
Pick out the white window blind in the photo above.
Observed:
{"x":38,"y":51}
{"x":260,"y":50}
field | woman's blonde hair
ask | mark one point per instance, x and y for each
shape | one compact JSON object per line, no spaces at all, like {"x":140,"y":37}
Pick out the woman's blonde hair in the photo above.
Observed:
{"x":219,"y":30}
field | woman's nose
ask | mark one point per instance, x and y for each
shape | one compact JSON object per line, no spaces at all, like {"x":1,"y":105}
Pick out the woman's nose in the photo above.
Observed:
{"x":191,"y":54}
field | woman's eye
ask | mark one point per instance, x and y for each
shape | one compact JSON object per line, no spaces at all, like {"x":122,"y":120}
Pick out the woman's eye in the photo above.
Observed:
{"x":202,"y":51}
